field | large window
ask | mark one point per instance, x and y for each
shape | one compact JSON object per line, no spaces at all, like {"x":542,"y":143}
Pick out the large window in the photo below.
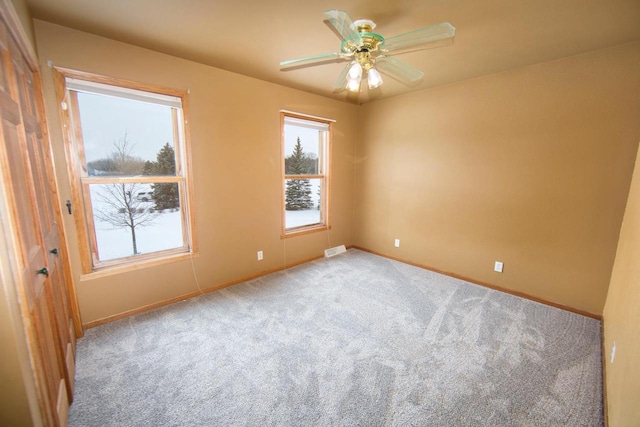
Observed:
{"x":305,"y":143}
{"x":128,"y":158}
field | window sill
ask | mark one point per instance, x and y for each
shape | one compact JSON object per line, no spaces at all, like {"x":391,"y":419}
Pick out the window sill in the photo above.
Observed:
{"x":137,"y":265}
{"x":294,"y":232}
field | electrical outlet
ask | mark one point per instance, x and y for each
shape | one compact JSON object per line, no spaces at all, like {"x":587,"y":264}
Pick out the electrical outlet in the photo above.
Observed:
{"x":498,"y":266}
{"x":260,"y":255}
{"x":613,"y":351}
{"x":396,"y":243}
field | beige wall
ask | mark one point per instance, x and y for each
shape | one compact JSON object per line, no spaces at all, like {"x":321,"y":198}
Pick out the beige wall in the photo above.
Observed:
{"x":622,"y":317}
{"x":14,"y":361}
{"x":22,"y":11}
{"x":235,"y":135}
{"x":530,"y":167}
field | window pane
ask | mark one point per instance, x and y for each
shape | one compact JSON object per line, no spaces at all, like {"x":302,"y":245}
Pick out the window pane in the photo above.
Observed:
{"x":136,"y":218}
{"x":126,"y":137}
{"x":302,"y":202}
{"x":303,"y":150}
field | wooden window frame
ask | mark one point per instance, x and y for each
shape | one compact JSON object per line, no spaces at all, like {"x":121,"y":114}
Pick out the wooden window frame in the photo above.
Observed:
{"x":324,"y":165}
{"x":80,"y":180}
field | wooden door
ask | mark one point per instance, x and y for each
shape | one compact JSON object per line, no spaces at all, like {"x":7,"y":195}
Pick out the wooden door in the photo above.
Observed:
{"x":28,"y":89}
{"x":45,"y":302}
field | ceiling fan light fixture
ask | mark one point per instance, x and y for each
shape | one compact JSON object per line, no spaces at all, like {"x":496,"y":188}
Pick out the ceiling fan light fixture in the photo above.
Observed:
{"x":353,"y":85}
{"x":374,"y":78}
{"x":355,"y":72}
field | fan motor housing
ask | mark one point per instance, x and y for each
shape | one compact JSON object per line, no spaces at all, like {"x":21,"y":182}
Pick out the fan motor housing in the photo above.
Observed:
{"x":371,"y":42}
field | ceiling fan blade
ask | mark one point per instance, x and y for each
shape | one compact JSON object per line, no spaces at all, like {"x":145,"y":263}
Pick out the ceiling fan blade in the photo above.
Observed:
{"x":423,"y":38}
{"x":343,"y":25}
{"x":310,"y":61}
{"x":341,"y":81}
{"x":399,"y":70}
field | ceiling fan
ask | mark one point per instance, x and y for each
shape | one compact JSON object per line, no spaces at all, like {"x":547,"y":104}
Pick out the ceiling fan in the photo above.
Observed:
{"x":368,"y":52}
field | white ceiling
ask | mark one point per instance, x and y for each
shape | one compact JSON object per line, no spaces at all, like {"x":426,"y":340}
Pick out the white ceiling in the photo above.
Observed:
{"x":251,"y":37}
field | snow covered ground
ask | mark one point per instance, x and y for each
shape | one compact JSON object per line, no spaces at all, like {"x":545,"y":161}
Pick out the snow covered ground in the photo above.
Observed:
{"x":300,"y":218}
{"x":164,"y":233}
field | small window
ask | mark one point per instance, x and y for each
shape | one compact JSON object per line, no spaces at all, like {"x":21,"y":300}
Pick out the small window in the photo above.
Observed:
{"x":305,"y":148}
{"x":128,"y":161}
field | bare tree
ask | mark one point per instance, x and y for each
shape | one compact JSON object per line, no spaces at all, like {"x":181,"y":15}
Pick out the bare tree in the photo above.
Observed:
{"x":121,"y":204}
{"x":124,"y":162}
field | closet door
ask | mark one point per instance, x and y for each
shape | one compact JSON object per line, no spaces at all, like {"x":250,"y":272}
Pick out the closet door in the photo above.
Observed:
{"x":28,"y":91}
{"x":45,"y":303}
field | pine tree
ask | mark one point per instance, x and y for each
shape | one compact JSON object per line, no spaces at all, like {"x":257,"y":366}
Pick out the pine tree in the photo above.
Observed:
{"x":298,"y":191}
{"x":165,"y":195}
{"x":149,"y":168}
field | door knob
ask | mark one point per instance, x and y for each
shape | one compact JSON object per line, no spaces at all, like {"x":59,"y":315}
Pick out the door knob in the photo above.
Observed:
{"x":43,"y":271}
{"x":54,"y":251}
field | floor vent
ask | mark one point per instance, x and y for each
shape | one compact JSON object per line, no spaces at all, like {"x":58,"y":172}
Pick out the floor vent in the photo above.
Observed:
{"x":328,"y":253}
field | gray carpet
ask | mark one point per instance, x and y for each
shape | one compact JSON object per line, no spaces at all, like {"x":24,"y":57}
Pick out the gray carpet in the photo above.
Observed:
{"x":354,"y":340}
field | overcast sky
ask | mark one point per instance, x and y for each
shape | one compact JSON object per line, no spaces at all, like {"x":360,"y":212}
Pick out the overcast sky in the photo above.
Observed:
{"x":308,"y":139}
{"x":106,"y":119}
